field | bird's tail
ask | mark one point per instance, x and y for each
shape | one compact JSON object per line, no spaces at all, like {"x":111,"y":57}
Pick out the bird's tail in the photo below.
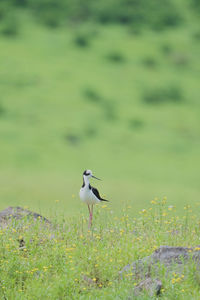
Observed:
{"x":104,"y":200}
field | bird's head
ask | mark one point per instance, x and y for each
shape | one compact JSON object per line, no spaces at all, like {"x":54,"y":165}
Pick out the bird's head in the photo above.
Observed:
{"x":88,"y":174}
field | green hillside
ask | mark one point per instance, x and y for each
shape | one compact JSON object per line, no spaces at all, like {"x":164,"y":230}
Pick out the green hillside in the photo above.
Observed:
{"x":120,"y":98}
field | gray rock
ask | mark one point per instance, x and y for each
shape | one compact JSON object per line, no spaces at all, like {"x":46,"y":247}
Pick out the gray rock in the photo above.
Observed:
{"x":10,"y":214}
{"x":17,"y":217}
{"x":151,"y":286}
{"x":172,"y":258}
{"x":165,"y":255}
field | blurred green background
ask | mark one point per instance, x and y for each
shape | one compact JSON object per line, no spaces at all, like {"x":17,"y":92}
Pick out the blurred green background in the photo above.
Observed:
{"x":112,"y":86}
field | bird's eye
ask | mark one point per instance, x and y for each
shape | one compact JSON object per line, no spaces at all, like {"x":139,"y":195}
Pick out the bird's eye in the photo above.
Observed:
{"x":86,"y":174}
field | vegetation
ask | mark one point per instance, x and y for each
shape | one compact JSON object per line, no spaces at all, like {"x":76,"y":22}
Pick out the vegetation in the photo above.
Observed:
{"x":69,"y":262}
{"x":112,"y":86}
{"x":136,"y":12}
{"x":154,"y":14}
{"x":163,"y":95}
{"x":123,"y":106}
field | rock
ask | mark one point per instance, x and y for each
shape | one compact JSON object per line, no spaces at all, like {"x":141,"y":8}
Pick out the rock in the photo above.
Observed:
{"x":165,"y":255}
{"x":151,"y":286}
{"x":169,"y":255}
{"x":172,"y":258}
{"x":10,"y":214}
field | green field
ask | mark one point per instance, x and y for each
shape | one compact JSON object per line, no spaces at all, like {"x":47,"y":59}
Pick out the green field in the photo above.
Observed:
{"x":111,"y":86}
{"x":67,"y":261}
{"x":125,"y":105}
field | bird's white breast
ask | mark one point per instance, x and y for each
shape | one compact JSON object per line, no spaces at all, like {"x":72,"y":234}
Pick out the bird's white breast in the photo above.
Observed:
{"x":87,"y":196}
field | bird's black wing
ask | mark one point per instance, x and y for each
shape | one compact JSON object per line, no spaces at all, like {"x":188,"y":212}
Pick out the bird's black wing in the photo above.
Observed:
{"x":96,"y":192}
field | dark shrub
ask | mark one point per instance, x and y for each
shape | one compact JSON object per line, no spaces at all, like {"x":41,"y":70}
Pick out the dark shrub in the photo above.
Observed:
{"x":82,"y":40}
{"x":174,"y":94}
{"x":91,"y":95}
{"x":115,"y":57}
{"x":155,"y":13}
{"x":163,"y":95}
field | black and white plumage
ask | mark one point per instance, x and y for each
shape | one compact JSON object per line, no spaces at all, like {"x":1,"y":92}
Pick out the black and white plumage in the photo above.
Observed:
{"x":89,"y":194}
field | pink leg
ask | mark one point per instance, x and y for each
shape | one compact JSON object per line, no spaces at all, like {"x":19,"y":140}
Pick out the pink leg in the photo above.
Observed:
{"x":90,"y":218}
{"x":91,"y":214}
{"x":89,"y":208}
{"x":92,"y":209}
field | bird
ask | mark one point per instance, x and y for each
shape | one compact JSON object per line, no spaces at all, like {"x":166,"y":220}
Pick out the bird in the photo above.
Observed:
{"x":89,"y":194}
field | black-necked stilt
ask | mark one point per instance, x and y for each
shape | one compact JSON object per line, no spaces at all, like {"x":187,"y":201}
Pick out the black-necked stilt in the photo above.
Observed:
{"x":89,"y":194}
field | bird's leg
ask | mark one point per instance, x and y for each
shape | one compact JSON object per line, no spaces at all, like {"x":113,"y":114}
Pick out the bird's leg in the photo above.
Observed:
{"x":91,"y":213}
{"x":90,"y":218}
{"x":92,"y":208}
{"x":89,"y":208}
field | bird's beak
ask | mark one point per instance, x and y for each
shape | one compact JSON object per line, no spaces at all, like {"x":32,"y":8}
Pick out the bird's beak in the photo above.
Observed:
{"x":95,"y":177}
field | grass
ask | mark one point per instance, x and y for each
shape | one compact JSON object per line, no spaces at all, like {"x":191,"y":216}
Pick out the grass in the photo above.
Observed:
{"x":51,"y":129}
{"x":72,"y":100}
{"x":70,"y":262}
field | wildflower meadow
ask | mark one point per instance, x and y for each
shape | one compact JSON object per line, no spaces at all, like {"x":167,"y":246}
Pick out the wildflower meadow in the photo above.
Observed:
{"x":64,"y":260}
